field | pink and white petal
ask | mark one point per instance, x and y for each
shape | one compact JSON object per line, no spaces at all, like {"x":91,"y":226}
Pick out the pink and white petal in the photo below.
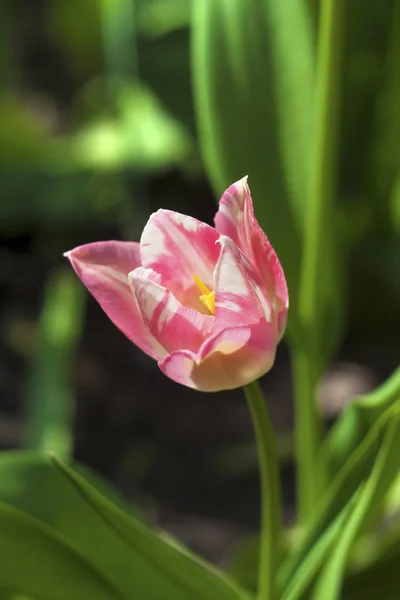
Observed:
{"x":236,"y":219}
{"x":234,"y":216}
{"x":197,"y":370}
{"x":103,"y":267}
{"x":174,"y":325}
{"x":240,"y":298}
{"x":242,"y":358}
{"x":178,"y":247}
{"x":178,"y":366}
{"x":232,"y":358}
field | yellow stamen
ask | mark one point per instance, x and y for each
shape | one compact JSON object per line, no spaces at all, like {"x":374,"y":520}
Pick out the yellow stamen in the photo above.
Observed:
{"x":203,"y":288}
{"x":207,"y":297}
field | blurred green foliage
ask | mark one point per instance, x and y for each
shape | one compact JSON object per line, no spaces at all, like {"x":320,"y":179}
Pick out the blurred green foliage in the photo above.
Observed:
{"x":70,"y":118}
{"x":98,"y":98}
{"x":84,"y":100}
{"x":91,"y":547}
{"x":50,"y":398}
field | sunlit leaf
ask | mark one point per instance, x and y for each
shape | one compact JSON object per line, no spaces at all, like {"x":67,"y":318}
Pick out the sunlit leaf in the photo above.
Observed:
{"x":357,"y":420}
{"x":253,"y":65}
{"x":142,"y":135}
{"x":342,"y":488}
{"x":299,"y":585}
{"x":158,"y":17}
{"x":368,"y":502}
{"x":156,"y":561}
{"x":132,"y":558}
{"x":37,"y":561}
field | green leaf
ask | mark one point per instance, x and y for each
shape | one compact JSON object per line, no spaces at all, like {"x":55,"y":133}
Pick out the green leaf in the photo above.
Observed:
{"x":156,"y":561}
{"x":35,"y":560}
{"x":343,"y":487}
{"x":380,"y":579}
{"x":169,"y":78}
{"x":78,"y":39}
{"x":354,"y":424}
{"x":158,"y":17}
{"x":342,"y":500}
{"x":253,"y":68}
{"x":143,"y":136}
{"x":7,"y":594}
{"x":24,"y":138}
{"x":368,"y":503}
{"x":312,"y":562}
{"x":30,"y":483}
{"x":119,"y":36}
{"x":242,"y":563}
{"x":385,"y":151}
{"x":135,"y":560}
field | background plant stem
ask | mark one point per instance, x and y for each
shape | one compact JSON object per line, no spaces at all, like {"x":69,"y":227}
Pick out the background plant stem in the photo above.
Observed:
{"x":50,"y":404}
{"x":318,"y":242}
{"x":271,"y":517}
{"x":308,"y":432}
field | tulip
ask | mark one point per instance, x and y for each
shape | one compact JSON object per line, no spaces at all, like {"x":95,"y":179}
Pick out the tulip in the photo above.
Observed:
{"x":209,"y":304}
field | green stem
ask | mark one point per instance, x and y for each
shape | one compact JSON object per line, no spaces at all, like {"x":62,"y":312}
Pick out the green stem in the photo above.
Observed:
{"x":317,"y":243}
{"x":271,"y":517}
{"x":308,"y":432}
{"x":50,"y":401}
{"x":120,"y":39}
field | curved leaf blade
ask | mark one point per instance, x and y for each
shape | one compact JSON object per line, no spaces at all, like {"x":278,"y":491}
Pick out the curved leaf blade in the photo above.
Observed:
{"x":135,"y":560}
{"x":165,"y":562}
{"x":385,"y":470}
{"x":253,"y":65}
{"x":37,"y":561}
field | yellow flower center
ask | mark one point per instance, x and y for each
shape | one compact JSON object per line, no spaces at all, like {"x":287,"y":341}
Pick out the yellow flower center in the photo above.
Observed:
{"x":207,"y":297}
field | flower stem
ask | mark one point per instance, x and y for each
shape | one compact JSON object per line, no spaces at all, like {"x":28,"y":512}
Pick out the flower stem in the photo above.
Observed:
{"x":318,"y":245}
{"x":271,"y":517}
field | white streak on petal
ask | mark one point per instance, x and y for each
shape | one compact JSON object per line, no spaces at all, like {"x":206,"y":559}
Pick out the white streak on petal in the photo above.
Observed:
{"x":178,"y":247}
{"x":233,"y":306}
{"x":187,"y":223}
{"x":179,"y":326}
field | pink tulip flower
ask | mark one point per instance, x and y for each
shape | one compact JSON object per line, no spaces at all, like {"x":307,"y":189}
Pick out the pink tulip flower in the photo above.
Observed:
{"x":209,"y":304}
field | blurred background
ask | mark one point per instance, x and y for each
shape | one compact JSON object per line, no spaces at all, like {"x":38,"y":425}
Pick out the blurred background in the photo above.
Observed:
{"x":98,"y":130}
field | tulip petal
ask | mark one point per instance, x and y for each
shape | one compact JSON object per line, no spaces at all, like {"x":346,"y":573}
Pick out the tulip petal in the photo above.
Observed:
{"x":232,"y":358}
{"x":235,"y":218}
{"x":240,"y":298}
{"x":178,"y":247}
{"x":175,"y":326}
{"x":103,"y":267}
